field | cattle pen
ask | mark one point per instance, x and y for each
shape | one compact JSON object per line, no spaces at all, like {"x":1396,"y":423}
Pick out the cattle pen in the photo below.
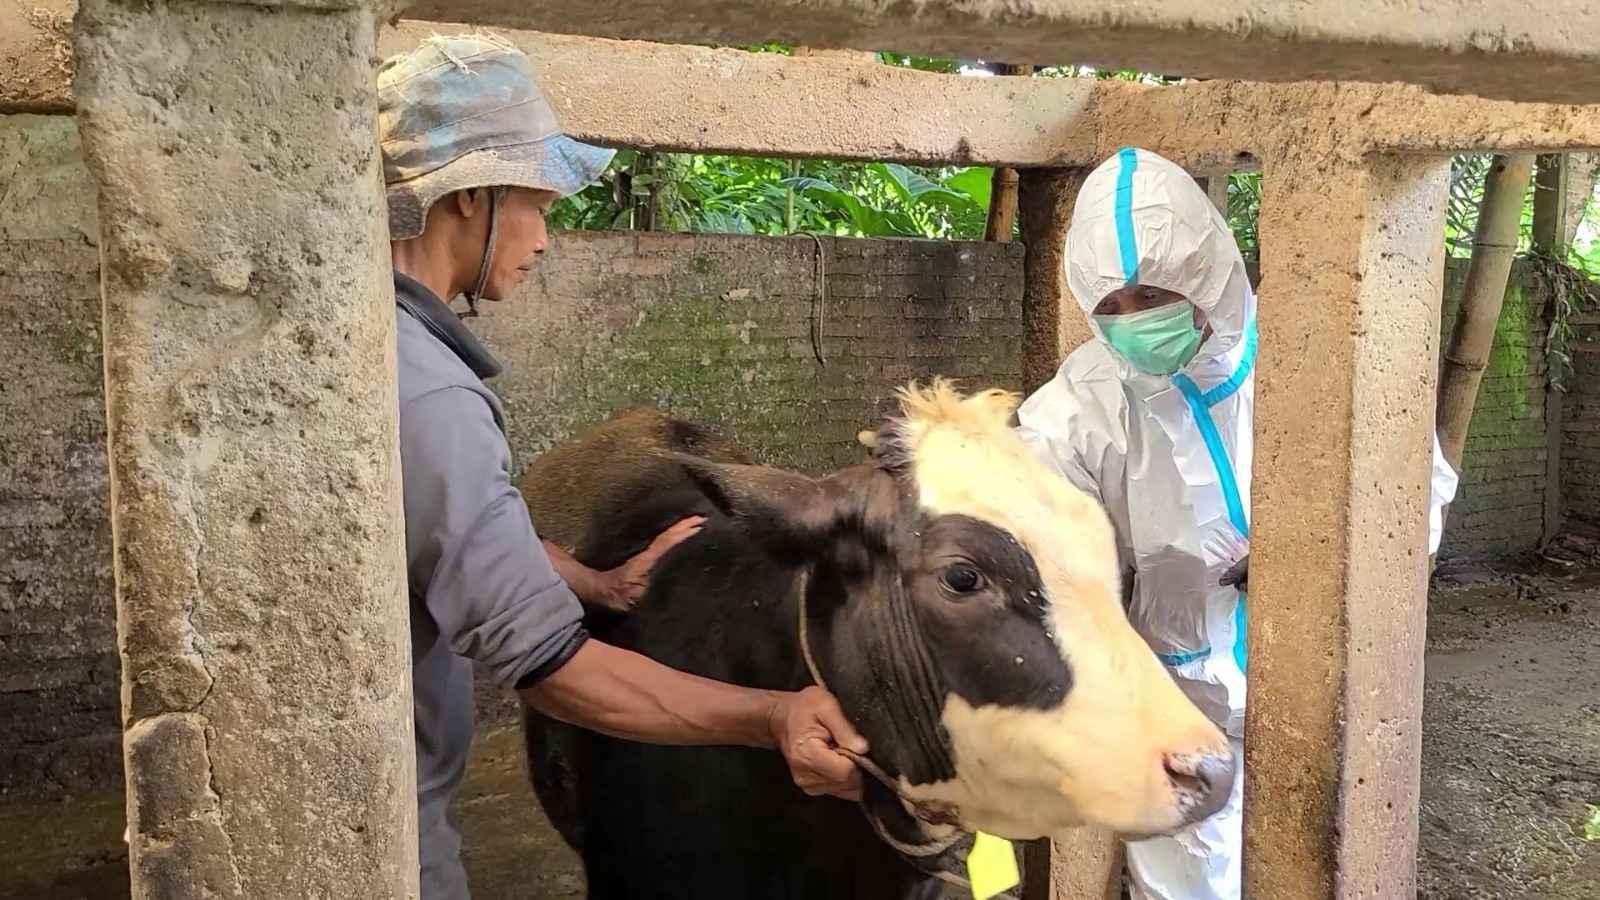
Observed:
{"x":206,"y":364}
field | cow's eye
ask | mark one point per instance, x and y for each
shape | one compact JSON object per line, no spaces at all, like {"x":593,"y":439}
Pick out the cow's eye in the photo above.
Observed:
{"x":962,"y":578}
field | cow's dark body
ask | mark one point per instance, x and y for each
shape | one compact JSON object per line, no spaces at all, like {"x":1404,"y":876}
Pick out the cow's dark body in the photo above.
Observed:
{"x":701,"y":822}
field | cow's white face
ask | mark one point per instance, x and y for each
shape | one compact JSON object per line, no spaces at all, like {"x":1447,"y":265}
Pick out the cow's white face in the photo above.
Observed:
{"x":1124,"y":748}
{"x":963,"y":601}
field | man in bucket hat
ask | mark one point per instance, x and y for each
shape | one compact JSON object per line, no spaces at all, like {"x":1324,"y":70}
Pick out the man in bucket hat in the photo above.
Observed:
{"x":473,"y":161}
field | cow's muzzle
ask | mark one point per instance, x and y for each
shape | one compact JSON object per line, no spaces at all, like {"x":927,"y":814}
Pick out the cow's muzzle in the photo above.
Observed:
{"x":1201,"y":782}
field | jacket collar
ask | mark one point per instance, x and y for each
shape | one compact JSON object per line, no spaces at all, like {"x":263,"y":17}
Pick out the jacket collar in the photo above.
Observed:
{"x":421,"y":304}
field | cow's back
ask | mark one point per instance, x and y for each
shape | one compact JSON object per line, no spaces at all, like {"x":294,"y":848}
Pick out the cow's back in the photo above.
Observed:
{"x":702,"y":822}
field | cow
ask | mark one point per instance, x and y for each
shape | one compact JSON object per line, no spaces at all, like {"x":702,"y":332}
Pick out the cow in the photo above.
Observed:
{"x":960,"y":598}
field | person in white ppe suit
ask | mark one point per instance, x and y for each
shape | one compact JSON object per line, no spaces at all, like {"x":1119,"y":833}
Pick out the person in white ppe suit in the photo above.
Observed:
{"x":1154,"y":418}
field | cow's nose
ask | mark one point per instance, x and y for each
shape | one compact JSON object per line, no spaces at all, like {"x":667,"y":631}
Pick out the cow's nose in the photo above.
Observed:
{"x":1201,"y":781}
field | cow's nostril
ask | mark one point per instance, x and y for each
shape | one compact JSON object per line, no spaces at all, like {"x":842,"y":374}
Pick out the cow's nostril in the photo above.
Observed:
{"x":1202,"y":781}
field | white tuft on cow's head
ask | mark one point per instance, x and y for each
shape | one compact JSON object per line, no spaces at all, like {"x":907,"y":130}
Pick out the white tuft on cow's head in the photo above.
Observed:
{"x":1123,"y":748}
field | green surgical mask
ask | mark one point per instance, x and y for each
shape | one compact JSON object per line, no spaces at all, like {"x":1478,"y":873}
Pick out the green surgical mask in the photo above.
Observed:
{"x":1156,"y":341}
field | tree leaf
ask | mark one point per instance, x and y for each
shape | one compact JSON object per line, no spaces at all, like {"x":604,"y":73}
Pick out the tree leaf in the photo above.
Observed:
{"x":975,"y":182}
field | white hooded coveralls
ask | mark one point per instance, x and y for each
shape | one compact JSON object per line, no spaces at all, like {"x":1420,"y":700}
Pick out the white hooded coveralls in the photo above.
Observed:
{"x":1169,"y":458}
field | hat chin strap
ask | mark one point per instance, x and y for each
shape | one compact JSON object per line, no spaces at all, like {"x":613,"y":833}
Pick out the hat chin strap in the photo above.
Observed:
{"x":476,"y":293}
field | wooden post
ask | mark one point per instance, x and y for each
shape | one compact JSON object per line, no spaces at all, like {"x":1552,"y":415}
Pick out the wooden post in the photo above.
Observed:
{"x":1550,"y":198}
{"x":1052,"y":322}
{"x":1003,"y":188}
{"x":1494,"y":245}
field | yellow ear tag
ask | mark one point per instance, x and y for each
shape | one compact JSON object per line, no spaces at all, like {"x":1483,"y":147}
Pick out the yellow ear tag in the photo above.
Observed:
{"x":991,"y":866}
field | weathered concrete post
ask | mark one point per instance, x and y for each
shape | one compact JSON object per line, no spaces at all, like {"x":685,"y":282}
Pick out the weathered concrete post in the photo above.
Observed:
{"x":249,"y":356}
{"x":1352,"y":265}
{"x":1052,"y":325}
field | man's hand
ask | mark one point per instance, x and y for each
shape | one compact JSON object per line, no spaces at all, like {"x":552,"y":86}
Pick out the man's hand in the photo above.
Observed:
{"x":807,"y":727}
{"x":619,"y":589}
{"x":1238,"y":575}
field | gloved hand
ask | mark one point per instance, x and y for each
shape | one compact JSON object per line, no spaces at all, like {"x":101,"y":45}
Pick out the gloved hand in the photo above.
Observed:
{"x":1238,"y":575}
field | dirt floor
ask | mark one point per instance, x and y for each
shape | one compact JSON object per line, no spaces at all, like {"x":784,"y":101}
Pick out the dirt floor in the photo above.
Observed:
{"x":1511,"y":761}
{"x":1511,"y":735}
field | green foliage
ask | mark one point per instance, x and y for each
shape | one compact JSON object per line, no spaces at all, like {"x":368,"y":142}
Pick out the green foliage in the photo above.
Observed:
{"x":1572,"y":288}
{"x":1244,"y":211}
{"x":1591,"y":825}
{"x":924,"y":63}
{"x":752,"y":195}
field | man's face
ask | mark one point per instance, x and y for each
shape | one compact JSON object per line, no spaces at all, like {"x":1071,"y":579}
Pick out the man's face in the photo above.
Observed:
{"x":1140,"y":297}
{"x":519,"y":239}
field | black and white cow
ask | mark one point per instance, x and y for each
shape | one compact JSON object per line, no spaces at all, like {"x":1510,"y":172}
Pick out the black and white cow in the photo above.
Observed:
{"x":961,"y":600}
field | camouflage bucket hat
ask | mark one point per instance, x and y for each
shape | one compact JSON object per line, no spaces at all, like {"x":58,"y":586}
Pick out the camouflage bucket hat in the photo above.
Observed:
{"x":466,"y":112}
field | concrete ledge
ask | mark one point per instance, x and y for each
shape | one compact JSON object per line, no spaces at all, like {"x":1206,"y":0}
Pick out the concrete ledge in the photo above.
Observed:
{"x":1209,"y":127}
{"x":675,"y":97}
{"x":1543,"y":52}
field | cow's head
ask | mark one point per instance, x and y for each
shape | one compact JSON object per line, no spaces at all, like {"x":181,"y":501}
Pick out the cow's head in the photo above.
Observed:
{"x":963,"y":602}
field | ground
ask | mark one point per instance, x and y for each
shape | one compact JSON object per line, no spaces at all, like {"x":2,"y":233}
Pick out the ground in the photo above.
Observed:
{"x":1511,"y":736}
{"x":1511,"y":760}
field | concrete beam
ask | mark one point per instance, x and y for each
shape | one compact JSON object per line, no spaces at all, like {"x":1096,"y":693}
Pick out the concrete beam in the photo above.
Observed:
{"x":1215,"y":127}
{"x":671,"y":97}
{"x":1494,"y":48}
{"x":1352,"y":275}
{"x":254,"y":459}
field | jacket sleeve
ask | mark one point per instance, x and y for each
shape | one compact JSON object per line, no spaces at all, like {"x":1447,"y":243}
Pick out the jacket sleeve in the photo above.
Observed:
{"x":472,"y":554}
{"x":1442,"y":490}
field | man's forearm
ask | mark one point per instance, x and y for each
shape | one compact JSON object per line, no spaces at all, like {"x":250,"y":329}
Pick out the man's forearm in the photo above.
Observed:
{"x":626,"y":695}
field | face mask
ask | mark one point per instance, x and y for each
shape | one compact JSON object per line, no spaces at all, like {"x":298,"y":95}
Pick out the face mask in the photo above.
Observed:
{"x":1156,"y":341}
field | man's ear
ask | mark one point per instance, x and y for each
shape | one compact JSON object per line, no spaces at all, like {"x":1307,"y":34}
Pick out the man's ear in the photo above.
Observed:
{"x":469,"y":201}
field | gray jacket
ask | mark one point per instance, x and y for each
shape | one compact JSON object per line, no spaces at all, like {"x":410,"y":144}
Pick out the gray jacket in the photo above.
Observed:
{"x":482,"y":588}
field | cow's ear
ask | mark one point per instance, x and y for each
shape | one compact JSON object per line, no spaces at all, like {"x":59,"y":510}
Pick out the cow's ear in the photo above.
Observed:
{"x":786,"y":511}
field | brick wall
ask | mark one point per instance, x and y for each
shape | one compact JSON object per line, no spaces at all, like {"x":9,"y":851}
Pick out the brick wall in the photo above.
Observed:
{"x":1580,"y":462}
{"x":58,"y":662}
{"x":717,"y":329}
{"x":1499,"y":508}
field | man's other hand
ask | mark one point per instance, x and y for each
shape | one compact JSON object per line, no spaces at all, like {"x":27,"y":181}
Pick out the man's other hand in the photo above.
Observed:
{"x":623,"y":587}
{"x":808,"y":727}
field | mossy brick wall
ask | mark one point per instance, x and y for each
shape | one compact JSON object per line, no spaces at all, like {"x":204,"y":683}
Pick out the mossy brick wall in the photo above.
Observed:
{"x":1499,"y":507}
{"x":719,"y":330}
{"x":58,"y":660}
{"x":1580,"y":462}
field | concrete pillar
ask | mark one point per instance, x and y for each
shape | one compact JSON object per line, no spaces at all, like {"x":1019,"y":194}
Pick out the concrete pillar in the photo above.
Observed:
{"x":1352,"y":273}
{"x":1217,"y":189}
{"x":249,"y":358}
{"x":1087,"y":864}
{"x":1052,"y":323}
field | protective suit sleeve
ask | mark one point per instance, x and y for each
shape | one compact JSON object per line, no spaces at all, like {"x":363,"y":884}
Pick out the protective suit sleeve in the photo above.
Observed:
{"x":1045,"y":423}
{"x":1442,"y":491}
